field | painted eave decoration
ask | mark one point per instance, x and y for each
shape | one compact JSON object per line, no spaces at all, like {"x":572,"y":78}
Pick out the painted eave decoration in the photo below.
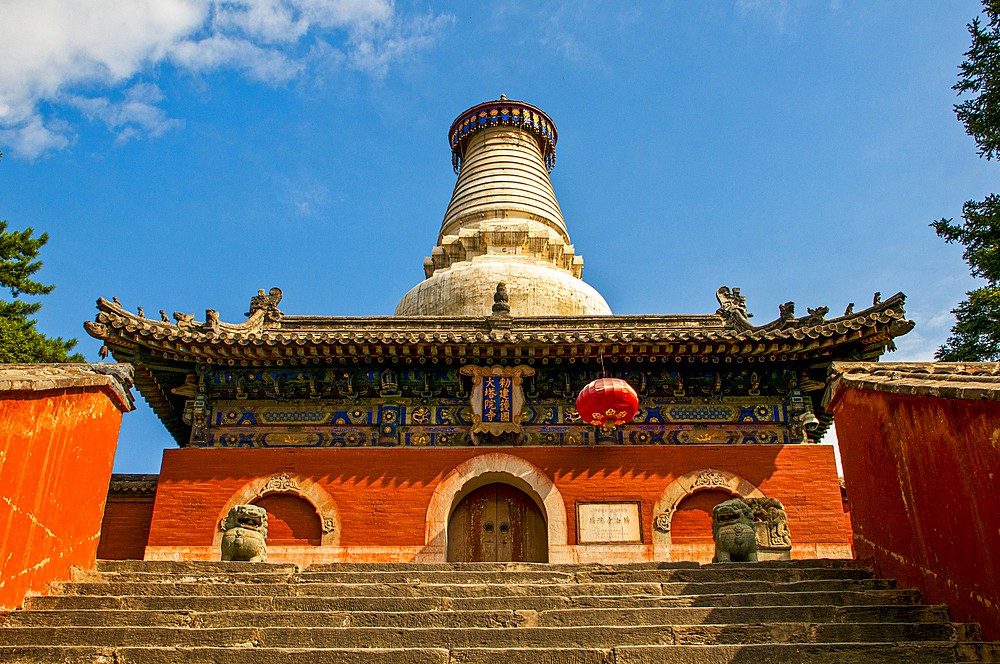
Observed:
{"x":164,"y":351}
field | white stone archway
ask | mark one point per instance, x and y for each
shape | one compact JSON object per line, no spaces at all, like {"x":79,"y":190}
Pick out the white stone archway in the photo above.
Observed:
{"x":294,"y":485}
{"x":486,"y":469}
{"x":684,"y":486}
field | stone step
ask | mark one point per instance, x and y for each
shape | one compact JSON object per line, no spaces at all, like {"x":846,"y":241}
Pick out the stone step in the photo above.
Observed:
{"x":703,"y":575}
{"x":829,"y":611}
{"x":194,"y":566}
{"x":840,"y":653}
{"x":191,"y":576}
{"x":419,"y":588}
{"x":243,"y":655}
{"x":479,"y":637}
{"x":205,"y":603}
{"x":474,"y":618}
{"x":165,"y":566}
{"x":537,"y":575}
{"x":977,"y":651}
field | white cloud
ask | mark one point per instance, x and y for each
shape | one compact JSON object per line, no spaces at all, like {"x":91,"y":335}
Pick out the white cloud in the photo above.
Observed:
{"x":776,"y":10}
{"x":33,"y":138}
{"x":59,"y":53}
{"x":305,"y":194}
{"x":137,"y":111}
{"x":372,"y":48}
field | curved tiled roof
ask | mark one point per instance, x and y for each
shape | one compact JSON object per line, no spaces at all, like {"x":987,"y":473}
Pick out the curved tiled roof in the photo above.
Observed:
{"x":978,"y":381}
{"x":258,"y":341}
{"x":163,"y":353}
{"x":130,"y":484}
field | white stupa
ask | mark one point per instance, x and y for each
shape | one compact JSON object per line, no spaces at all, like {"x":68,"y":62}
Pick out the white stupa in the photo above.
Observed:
{"x":503,"y":224}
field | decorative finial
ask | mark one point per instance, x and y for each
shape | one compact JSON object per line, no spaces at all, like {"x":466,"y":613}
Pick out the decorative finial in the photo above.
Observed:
{"x":502,"y":113}
{"x":877,"y":299}
{"x":849,"y":310}
{"x":501,"y":303}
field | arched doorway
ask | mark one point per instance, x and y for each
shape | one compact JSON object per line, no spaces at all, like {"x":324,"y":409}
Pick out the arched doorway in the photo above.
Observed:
{"x":497,"y":522}
{"x":291,"y":520}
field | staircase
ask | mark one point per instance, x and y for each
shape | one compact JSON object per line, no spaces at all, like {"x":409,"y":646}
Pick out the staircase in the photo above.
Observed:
{"x":828,"y":611}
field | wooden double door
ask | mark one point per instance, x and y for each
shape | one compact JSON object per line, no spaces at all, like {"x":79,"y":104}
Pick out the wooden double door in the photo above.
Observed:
{"x":497,"y":522}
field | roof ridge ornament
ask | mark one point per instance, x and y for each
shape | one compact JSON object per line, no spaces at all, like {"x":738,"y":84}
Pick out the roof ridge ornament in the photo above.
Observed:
{"x":733,"y":310}
{"x":501,"y":301}
{"x":266,"y":303}
{"x":500,"y":318}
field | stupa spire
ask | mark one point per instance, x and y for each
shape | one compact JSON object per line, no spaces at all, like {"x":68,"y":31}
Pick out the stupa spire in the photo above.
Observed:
{"x":504,"y":218}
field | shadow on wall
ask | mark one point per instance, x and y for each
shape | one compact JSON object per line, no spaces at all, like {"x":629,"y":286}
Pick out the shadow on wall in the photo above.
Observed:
{"x":381,"y":495}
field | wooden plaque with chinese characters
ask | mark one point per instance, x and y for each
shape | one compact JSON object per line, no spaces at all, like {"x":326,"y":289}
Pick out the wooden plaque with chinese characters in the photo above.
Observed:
{"x":496,"y":400}
{"x":608,"y":523}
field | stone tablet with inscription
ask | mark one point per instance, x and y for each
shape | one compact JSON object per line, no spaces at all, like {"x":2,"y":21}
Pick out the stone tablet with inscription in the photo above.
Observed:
{"x":608,"y":523}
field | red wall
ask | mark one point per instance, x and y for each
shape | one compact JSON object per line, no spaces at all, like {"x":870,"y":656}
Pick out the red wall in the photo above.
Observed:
{"x":290,"y":520}
{"x":125,"y":528}
{"x":56,"y":452}
{"x":382,"y":494}
{"x":693,"y":518}
{"x":923,"y":478}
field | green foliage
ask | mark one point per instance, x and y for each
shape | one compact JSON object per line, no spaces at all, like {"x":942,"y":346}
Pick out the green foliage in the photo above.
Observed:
{"x":19,"y":341}
{"x":14,"y":344}
{"x":976,"y":335}
{"x":981,"y":77}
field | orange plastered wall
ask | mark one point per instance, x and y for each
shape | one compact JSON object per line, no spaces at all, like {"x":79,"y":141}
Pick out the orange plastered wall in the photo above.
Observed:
{"x":923,"y":476}
{"x":382,"y":494}
{"x":56,"y":452}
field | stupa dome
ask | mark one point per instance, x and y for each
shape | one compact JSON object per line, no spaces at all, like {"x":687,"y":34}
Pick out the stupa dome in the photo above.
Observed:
{"x":503,"y":224}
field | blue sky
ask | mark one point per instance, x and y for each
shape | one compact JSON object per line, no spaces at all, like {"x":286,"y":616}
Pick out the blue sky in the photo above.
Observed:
{"x":182,"y":154}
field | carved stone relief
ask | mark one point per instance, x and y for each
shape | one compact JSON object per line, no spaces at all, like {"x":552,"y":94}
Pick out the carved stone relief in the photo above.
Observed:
{"x":771,"y":522}
{"x":711,"y":478}
{"x":279,"y":482}
{"x":662,"y":521}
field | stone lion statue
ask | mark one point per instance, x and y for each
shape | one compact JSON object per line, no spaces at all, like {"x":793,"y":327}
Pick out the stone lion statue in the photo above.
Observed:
{"x":734,"y":533}
{"x":245,"y":534}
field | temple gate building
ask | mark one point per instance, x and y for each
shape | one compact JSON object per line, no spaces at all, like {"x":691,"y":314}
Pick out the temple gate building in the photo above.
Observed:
{"x":449,"y":430}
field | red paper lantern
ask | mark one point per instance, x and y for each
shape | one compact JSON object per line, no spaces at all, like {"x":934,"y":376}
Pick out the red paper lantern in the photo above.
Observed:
{"x":607,"y":402}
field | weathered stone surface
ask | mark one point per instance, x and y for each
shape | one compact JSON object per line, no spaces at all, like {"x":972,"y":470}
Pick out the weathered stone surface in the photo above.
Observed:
{"x":795,"y":611}
{"x":117,"y":378}
{"x":248,"y":655}
{"x":734,"y":533}
{"x":841,"y":653}
{"x":246,"y":534}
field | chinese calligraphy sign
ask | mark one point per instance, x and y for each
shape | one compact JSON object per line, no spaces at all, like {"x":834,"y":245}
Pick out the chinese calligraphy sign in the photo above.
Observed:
{"x":608,"y":523}
{"x":496,"y":400}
